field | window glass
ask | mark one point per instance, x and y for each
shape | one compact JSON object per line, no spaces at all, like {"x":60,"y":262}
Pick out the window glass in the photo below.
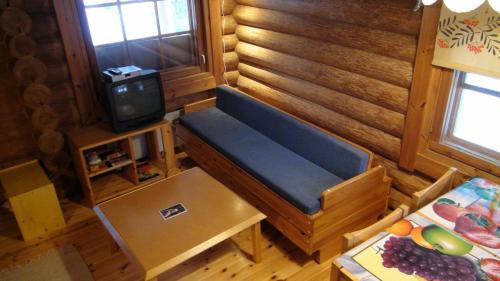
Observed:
{"x":478,"y":119}
{"x":173,"y":15}
{"x":151,"y":34}
{"x":473,"y":115}
{"x":104,"y":25}
{"x":483,"y":81}
{"x":139,"y":20}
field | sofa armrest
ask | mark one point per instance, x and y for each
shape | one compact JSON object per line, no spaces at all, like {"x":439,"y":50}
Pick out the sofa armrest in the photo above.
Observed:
{"x":199,"y":106}
{"x":371,"y":182}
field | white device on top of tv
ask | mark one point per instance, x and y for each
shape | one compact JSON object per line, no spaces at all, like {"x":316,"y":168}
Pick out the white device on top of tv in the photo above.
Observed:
{"x":121,"y":73}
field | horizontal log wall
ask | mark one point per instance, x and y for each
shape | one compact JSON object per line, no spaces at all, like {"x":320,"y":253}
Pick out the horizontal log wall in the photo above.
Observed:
{"x":346,"y":66}
{"x":353,"y":59}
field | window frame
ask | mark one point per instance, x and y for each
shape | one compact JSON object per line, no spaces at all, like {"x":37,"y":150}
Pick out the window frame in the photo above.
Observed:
{"x":195,"y":24}
{"x":176,"y":83}
{"x":441,"y":139}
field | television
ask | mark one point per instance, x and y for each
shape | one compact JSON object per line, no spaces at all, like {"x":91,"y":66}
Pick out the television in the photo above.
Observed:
{"x":134,"y":102}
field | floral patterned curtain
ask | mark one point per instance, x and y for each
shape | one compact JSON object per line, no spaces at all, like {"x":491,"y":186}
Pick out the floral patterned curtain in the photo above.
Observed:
{"x":469,"y":41}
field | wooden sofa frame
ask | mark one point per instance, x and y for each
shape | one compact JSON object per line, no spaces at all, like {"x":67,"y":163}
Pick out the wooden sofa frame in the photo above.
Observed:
{"x":350,"y":205}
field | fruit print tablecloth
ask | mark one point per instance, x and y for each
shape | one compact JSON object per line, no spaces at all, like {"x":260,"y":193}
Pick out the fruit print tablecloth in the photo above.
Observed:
{"x":472,"y":211}
{"x":426,"y":246}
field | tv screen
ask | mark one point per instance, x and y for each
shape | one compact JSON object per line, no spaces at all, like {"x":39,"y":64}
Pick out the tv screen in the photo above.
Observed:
{"x":136,"y":99}
{"x":134,"y":102}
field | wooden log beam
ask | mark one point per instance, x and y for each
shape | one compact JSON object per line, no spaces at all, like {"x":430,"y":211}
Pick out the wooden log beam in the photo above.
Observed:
{"x":230,"y":42}
{"x":228,"y":25}
{"x":68,"y":113}
{"x":372,"y":115}
{"x":15,"y":21}
{"x":228,"y":7}
{"x":45,"y":118}
{"x":57,"y":73}
{"x":382,"y":68}
{"x":62,"y":92}
{"x":21,"y":46}
{"x":372,"y":90}
{"x":231,"y":60}
{"x":385,"y":43}
{"x":36,"y":95}
{"x":348,"y":128}
{"x":391,"y":15}
{"x":29,"y":70}
{"x":44,"y":25}
{"x":404,"y":182}
{"x":51,"y":142}
{"x":51,"y":50}
{"x":231,"y":77}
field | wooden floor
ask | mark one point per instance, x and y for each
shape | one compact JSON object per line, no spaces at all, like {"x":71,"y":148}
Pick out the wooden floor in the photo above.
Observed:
{"x":227,"y":261}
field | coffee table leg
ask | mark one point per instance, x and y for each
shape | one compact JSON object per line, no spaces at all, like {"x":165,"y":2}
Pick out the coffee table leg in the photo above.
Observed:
{"x":257,"y":243}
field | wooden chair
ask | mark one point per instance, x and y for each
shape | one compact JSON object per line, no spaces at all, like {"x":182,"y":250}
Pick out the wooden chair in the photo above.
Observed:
{"x":352,"y":239}
{"x":438,"y":188}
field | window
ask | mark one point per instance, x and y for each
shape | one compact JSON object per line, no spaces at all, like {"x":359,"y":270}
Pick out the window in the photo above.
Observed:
{"x":157,"y":34}
{"x":472,"y":117}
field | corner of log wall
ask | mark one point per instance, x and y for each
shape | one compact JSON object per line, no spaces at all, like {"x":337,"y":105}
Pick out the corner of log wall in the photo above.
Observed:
{"x":230,"y":40}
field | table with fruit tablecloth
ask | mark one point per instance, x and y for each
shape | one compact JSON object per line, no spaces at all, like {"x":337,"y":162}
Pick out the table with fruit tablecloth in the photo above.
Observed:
{"x":455,"y":237}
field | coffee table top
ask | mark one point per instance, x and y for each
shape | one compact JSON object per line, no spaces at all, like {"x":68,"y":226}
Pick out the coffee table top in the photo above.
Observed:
{"x":214,"y":213}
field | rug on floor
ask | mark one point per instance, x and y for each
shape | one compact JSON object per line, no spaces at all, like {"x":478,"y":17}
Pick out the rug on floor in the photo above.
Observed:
{"x":62,"y":264}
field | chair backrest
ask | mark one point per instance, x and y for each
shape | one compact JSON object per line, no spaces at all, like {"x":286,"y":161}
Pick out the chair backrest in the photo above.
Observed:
{"x":352,"y":239}
{"x":438,"y":188}
{"x":332,"y":154}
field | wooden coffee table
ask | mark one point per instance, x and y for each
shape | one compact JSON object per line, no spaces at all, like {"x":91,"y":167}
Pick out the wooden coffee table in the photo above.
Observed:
{"x":213,"y":214}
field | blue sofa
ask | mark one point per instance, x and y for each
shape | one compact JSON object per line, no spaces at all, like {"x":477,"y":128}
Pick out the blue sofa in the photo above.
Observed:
{"x":290,"y":160}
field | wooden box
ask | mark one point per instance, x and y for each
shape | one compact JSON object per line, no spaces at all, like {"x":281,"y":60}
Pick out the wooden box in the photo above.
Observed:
{"x":33,"y":199}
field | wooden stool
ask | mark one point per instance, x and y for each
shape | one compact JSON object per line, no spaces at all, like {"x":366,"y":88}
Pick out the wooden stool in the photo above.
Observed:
{"x":33,"y":199}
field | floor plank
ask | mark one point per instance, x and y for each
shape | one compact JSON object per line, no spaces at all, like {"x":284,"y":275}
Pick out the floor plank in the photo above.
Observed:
{"x":229,"y":260}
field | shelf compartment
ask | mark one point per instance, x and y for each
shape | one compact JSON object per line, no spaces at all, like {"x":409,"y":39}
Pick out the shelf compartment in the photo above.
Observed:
{"x":157,"y":169}
{"x":112,"y":168}
{"x":110,"y":185}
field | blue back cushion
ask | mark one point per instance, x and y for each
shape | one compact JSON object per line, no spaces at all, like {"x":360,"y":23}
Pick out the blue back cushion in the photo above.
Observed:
{"x":322,"y":149}
{"x":294,"y":178}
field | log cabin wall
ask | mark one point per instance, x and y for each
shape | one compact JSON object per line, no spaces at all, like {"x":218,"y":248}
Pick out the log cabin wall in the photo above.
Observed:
{"x":346,"y":66}
{"x":26,"y":115}
{"x":229,"y":40}
{"x":17,"y":139}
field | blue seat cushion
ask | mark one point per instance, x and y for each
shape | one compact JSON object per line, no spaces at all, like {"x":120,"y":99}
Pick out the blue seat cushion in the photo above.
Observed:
{"x":325,"y":150}
{"x":294,"y":178}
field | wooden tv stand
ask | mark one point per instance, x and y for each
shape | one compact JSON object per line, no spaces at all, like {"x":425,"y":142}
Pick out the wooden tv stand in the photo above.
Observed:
{"x":109,"y":182}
